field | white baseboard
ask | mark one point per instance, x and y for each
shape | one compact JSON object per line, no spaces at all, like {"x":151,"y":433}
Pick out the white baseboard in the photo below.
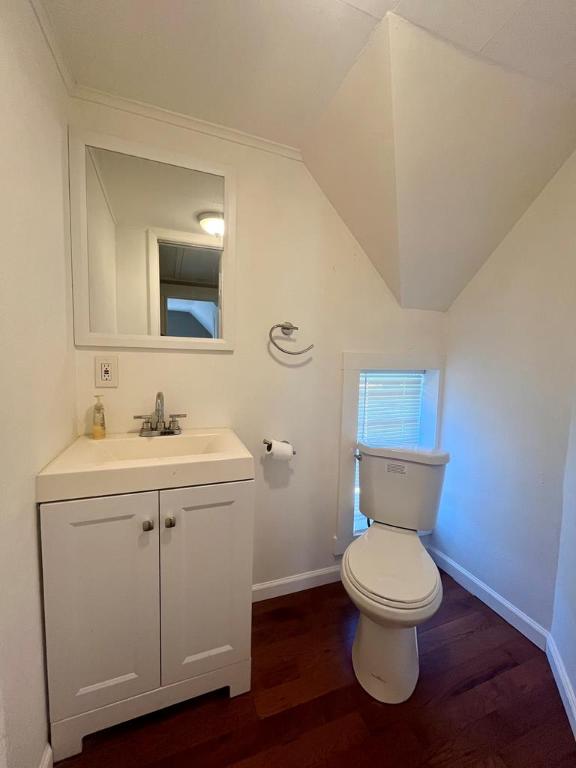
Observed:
{"x":504,"y":608}
{"x":296,"y":583}
{"x":46,"y":761}
{"x":567,"y":692}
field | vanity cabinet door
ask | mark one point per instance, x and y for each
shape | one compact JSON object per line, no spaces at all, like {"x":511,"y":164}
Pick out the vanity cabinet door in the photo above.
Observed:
{"x":101,"y":588}
{"x":206,"y":578}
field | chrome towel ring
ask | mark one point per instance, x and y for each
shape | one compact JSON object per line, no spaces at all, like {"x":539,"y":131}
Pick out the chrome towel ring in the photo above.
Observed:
{"x":287,"y":329}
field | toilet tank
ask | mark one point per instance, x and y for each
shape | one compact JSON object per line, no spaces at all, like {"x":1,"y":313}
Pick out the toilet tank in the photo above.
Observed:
{"x":401,"y":487}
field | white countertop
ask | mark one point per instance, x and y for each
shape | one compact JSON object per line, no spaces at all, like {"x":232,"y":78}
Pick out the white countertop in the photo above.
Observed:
{"x":128,"y":463}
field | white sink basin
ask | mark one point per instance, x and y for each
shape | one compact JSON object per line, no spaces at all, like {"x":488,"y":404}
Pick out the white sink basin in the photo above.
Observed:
{"x":126,"y":448}
{"x":129,"y":463}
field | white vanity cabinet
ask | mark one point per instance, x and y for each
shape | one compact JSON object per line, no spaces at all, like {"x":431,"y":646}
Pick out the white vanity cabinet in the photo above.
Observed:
{"x":147,"y":603}
{"x":205,"y":577}
{"x":102,"y":600}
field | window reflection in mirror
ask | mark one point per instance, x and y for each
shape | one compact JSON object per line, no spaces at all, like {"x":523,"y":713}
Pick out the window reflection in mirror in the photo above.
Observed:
{"x":153,"y":268}
{"x":189,"y":298}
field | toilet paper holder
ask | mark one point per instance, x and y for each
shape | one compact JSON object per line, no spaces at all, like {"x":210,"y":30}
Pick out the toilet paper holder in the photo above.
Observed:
{"x":268,"y":444}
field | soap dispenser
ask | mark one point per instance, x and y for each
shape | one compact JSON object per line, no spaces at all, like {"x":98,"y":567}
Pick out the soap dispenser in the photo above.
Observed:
{"x":98,"y":420}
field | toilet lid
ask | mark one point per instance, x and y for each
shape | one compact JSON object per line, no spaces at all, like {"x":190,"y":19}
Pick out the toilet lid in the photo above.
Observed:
{"x":392,"y":565}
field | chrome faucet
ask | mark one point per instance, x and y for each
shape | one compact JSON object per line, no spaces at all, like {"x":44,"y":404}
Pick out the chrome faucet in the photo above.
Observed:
{"x":158,"y":422}
{"x":155,"y":424}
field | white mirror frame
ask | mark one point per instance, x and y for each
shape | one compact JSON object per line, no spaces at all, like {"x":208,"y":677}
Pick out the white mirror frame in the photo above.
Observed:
{"x":83,"y":336}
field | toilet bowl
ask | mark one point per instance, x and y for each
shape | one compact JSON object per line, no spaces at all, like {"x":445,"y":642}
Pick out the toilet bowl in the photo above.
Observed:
{"x":387,"y":572}
{"x":396,"y":586}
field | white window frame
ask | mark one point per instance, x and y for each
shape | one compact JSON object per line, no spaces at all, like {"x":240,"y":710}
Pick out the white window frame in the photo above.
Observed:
{"x":353,"y":363}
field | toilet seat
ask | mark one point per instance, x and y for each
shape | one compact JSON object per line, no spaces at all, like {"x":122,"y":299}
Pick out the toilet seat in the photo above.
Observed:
{"x":391,"y":567}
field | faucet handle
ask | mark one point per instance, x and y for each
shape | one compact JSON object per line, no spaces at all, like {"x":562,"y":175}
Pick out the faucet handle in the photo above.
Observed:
{"x":174,"y":426}
{"x":146,"y":424}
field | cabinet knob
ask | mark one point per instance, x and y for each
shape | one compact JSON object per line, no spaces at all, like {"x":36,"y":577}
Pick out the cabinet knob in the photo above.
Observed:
{"x":147,"y":525}
{"x":170,"y":522}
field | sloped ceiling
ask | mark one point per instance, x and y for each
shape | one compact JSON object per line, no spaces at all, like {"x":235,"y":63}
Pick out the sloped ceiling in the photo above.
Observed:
{"x":429,"y":150}
{"x":270,"y":67}
{"x":431,"y":155}
{"x":266,"y":67}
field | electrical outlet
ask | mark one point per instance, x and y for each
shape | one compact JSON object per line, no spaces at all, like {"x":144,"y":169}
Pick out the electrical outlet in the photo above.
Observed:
{"x":106,"y":371}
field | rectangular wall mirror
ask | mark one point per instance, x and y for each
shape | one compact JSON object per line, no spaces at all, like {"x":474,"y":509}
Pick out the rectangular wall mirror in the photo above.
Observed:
{"x":152,"y":247}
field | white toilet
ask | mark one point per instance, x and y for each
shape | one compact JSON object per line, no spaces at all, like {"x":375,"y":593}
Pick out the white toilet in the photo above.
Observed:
{"x":387,"y":573}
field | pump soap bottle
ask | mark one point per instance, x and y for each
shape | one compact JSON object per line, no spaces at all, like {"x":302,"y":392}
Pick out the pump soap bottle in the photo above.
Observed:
{"x":98,"y":420}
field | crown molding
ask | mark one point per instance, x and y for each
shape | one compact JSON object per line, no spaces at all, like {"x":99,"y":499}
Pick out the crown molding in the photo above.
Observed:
{"x":150,"y":111}
{"x":181,"y":120}
{"x":50,"y":37}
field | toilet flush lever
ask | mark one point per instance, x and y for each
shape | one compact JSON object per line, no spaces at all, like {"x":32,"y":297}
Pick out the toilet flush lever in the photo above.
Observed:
{"x":170,"y":521}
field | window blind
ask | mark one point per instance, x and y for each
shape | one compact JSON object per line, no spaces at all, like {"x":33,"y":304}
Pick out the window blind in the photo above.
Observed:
{"x":390,"y":408}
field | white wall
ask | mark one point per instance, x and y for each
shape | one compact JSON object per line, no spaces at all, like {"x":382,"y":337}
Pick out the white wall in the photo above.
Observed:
{"x":132,"y":279}
{"x":37,"y":382}
{"x":475,"y":145}
{"x":350,"y":151}
{"x":508,"y":398}
{"x":102,"y":250}
{"x":298,"y":262}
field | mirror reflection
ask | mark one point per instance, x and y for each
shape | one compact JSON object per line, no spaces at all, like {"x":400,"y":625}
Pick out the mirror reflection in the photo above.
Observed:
{"x":155,"y":240}
{"x":189,"y":290}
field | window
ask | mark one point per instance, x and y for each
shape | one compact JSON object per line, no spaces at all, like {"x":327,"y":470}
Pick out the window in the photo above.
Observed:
{"x":388,"y":398}
{"x":390,"y":410}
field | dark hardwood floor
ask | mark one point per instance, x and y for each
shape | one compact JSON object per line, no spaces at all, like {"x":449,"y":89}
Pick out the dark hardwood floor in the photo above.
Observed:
{"x":486,"y":699}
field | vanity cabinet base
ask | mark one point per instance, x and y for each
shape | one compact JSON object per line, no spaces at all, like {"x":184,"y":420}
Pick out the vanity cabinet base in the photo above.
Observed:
{"x":67,"y":735}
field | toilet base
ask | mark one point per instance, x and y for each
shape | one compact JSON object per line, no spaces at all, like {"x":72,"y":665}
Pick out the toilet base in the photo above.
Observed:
{"x":385,"y":660}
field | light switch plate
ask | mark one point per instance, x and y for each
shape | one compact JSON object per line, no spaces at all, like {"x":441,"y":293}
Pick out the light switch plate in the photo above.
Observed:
{"x":106,"y":371}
